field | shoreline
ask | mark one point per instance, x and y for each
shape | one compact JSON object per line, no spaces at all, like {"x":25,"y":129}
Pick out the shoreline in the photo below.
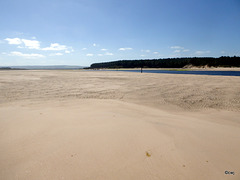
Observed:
{"x":179,"y":69}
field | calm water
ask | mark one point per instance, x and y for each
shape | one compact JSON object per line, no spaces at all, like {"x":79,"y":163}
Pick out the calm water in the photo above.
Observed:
{"x":213,"y":73}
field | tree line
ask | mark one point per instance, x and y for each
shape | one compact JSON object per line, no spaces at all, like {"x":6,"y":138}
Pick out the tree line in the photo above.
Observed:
{"x":224,"y":61}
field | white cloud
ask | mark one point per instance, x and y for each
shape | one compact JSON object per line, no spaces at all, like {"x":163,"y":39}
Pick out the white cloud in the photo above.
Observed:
{"x":13,"y":40}
{"x":16,"y":53}
{"x":100,"y":54}
{"x":55,"y":47}
{"x":84,"y":49}
{"x":179,"y":49}
{"x":108,"y":54}
{"x":142,"y":55}
{"x":155,"y":52}
{"x":176,"y":47}
{"x":89,"y":55}
{"x":104,"y":49}
{"x":34,"y":44}
{"x":94,"y":45}
{"x":31,"y":44}
{"x":56,"y":54}
{"x":124,"y":49}
{"x":201,"y":52}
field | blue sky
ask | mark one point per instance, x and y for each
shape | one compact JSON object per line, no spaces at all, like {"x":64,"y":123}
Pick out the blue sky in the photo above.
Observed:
{"x":82,"y":32}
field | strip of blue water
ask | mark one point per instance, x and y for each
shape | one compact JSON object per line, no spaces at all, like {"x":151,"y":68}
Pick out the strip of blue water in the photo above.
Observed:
{"x":213,"y":73}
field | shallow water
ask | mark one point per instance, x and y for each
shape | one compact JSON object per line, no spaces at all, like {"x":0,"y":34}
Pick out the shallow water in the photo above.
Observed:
{"x":213,"y":73}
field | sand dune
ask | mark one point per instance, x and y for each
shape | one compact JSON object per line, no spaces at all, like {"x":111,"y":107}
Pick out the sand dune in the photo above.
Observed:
{"x":118,"y":125}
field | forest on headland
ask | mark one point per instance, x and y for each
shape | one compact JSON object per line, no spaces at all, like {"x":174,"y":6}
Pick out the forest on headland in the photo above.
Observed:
{"x":223,"y":61}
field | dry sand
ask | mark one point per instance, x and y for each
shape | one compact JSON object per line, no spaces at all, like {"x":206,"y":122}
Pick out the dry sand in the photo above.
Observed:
{"x":118,"y":125}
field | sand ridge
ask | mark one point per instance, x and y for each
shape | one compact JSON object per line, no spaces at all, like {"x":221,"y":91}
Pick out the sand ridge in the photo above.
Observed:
{"x":189,"y":92}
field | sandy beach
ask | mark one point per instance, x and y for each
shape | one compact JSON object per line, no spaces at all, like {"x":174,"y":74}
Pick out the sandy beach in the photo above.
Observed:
{"x":76,"y":124}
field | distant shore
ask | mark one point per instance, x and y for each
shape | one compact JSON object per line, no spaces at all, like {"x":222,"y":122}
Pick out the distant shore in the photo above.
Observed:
{"x":181,"y":62}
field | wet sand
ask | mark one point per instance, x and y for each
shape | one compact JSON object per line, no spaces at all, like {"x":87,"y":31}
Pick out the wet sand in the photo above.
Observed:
{"x":118,"y":125}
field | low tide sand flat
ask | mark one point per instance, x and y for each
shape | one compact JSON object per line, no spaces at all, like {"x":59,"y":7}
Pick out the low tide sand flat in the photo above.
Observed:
{"x":118,"y":125}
